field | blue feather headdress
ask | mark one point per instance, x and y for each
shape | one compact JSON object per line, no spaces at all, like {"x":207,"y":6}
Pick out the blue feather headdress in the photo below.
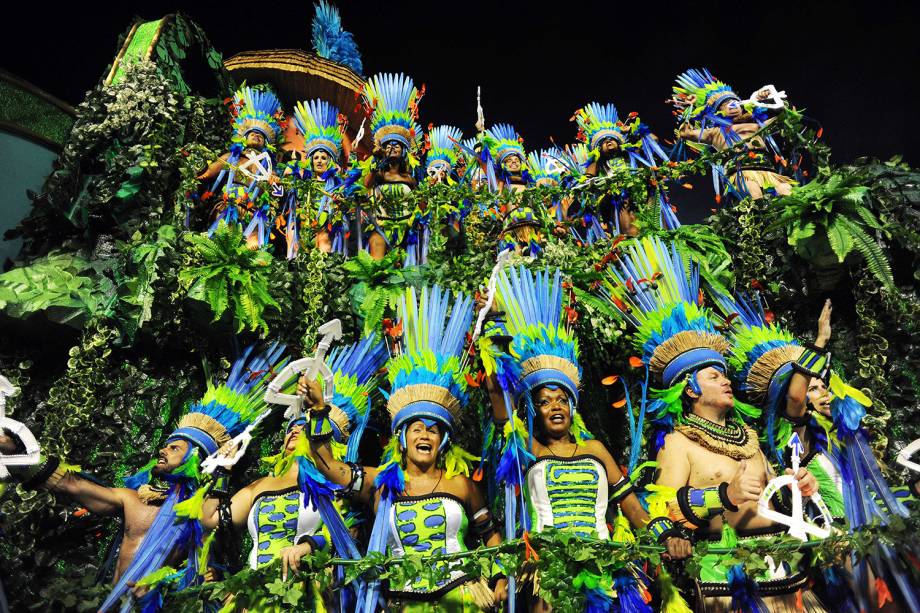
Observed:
{"x":258,"y":111}
{"x":503,"y":140}
{"x":427,"y":378}
{"x":330,"y":41}
{"x":226,"y":409}
{"x":318,"y":122}
{"x":654,"y":292}
{"x":442,"y":152}
{"x":544,"y":166}
{"x":698,"y":95}
{"x":762,"y":356}
{"x":543,"y":344}
{"x":598,"y":122}
{"x":393,"y":102}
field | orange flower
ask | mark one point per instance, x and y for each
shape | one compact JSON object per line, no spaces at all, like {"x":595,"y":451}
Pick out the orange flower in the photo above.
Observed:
{"x":635,"y":361}
{"x":610,"y":380}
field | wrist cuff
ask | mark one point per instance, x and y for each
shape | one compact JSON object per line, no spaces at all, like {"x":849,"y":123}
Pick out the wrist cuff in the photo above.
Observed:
{"x":726,"y":501}
{"x":661,"y":528}
{"x":317,"y":542}
{"x":812,"y":362}
{"x":34,"y":477}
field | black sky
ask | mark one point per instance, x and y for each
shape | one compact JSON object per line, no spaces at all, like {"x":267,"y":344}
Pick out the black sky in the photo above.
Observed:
{"x":852,"y":66}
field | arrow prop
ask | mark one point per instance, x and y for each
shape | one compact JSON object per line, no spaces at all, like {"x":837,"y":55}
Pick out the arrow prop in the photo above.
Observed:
{"x":799,"y":527}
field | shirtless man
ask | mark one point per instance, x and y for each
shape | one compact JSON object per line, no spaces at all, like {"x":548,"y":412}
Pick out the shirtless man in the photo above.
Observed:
{"x":756,"y":178}
{"x":137,"y":509}
{"x":719,"y":472}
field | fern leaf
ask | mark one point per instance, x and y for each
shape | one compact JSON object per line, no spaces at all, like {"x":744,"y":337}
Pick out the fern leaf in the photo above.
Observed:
{"x":839,"y":238}
{"x":872,"y":253}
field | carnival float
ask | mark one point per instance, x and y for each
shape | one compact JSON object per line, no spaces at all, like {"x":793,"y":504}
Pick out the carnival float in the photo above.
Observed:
{"x":272,"y":342}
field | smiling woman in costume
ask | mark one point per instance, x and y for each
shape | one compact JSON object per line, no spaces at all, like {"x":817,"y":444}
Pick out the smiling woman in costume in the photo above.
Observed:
{"x":424,"y":500}
{"x":569,"y":479}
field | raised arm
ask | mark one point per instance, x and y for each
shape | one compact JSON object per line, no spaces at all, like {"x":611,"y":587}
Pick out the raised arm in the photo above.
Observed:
{"x":356,"y":479}
{"x":48,"y":474}
{"x":809,"y":365}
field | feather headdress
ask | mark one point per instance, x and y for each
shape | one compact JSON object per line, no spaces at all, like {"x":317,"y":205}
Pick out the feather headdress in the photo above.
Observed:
{"x":318,"y":122}
{"x":443,"y":150}
{"x":598,"y":122}
{"x":650,"y":287}
{"x":226,"y":409}
{"x":698,"y":94}
{"x":258,"y":111}
{"x":543,"y":345}
{"x":393,"y":102}
{"x":544,"y":166}
{"x":503,"y":140}
{"x":762,"y":357}
{"x":355,"y":372}
{"x":427,"y":378}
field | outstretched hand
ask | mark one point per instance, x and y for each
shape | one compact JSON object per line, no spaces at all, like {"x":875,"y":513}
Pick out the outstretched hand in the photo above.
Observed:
{"x":824,"y":324}
{"x":291,"y":556}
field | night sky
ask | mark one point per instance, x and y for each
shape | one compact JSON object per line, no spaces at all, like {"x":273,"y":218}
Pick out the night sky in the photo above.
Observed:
{"x":854,"y":68}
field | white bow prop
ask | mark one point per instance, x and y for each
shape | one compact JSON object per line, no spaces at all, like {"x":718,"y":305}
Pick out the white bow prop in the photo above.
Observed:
{"x":329,"y":332}
{"x":774,"y":98}
{"x":32,"y":449}
{"x":799,"y":527}
{"x":258,"y":168}
{"x":310,"y":367}
{"x":503,"y":258}
{"x":905,"y":454}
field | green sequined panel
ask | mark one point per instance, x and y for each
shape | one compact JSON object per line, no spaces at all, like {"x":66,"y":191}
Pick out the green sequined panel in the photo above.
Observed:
{"x":422,"y":528}
{"x":572,"y":487}
{"x":276,"y":524}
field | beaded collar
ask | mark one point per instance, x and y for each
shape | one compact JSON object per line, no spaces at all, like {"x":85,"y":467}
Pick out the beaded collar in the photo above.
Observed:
{"x":734,"y":439}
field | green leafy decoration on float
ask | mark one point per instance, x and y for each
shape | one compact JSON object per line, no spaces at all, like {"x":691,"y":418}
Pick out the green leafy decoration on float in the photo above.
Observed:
{"x":832,"y":210}
{"x":226,"y":273}
{"x":379,"y":285}
{"x":64,"y":282}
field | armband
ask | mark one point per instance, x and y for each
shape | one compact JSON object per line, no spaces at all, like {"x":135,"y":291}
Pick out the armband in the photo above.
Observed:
{"x":693,"y":508}
{"x":620,"y":490}
{"x":356,"y":482}
{"x":483,"y":524}
{"x":662,"y":528}
{"x":812,"y":362}
{"x":800,"y":421}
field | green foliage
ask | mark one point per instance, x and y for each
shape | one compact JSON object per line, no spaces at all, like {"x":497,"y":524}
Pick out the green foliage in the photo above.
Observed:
{"x":64,"y":285}
{"x":379,"y":284}
{"x":226,"y":273}
{"x":832,"y":210}
{"x":138,"y":291}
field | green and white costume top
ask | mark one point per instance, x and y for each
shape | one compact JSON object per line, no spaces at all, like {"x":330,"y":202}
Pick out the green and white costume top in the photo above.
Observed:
{"x":390,"y":206}
{"x":432,"y":524}
{"x":278,"y":519}
{"x":569,"y":494}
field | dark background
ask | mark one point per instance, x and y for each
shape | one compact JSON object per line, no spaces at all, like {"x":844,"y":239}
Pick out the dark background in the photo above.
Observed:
{"x":854,"y":67}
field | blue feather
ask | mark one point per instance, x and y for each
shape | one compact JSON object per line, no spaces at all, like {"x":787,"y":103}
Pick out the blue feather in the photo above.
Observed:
{"x":331,"y":41}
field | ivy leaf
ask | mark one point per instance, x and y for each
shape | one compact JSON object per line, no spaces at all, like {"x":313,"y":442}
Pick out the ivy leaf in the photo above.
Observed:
{"x":277,"y":587}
